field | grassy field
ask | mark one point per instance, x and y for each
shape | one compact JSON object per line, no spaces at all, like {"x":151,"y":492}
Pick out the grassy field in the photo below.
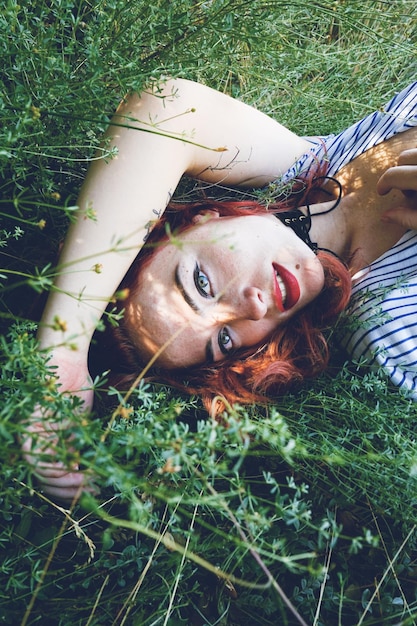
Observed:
{"x":301,"y":513}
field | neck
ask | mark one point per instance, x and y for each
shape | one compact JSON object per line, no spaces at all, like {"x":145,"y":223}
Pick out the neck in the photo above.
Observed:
{"x":329,"y":228}
{"x":354,"y":230}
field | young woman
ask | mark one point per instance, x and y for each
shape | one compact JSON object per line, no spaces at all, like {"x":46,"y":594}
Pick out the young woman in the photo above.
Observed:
{"x":236,"y":283}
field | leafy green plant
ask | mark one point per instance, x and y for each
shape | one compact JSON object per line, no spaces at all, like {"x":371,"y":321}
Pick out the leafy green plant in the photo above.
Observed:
{"x":303,"y":512}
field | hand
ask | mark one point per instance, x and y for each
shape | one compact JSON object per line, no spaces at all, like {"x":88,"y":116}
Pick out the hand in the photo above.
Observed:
{"x":58,"y":480}
{"x":43,"y":434}
{"x":403,"y":177}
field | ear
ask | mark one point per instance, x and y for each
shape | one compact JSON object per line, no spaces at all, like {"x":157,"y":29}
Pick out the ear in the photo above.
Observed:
{"x":205,"y":215}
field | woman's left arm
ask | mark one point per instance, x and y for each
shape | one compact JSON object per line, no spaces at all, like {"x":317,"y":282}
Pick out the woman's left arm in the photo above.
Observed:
{"x":403,"y":177}
{"x":178,"y":128}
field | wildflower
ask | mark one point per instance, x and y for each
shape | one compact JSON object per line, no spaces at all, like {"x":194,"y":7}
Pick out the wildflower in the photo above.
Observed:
{"x":122,"y":294}
{"x":169,"y":468}
{"x":125,"y":412}
{"x":59,"y":324}
{"x":36,"y":112}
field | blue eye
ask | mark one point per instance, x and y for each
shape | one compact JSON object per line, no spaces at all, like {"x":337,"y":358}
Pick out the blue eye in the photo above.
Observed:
{"x":225,"y":342}
{"x":202,"y":282}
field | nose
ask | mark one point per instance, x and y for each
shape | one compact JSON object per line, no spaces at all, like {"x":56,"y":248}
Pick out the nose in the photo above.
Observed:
{"x":253,"y":305}
{"x":250,"y":304}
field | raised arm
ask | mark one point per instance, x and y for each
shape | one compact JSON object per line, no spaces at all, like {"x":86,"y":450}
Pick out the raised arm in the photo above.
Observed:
{"x":190,"y":129}
{"x":183,"y":128}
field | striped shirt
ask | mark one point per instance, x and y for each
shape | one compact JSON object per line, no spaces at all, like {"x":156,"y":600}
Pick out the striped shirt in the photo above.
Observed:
{"x":384,"y":298}
{"x":384,"y":303}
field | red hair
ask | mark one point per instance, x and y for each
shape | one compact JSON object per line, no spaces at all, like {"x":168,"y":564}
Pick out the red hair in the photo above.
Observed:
{"x":295,"y":351}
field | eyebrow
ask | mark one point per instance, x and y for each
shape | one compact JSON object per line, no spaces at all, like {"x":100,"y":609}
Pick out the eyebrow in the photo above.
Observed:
{"x":194,"y":306}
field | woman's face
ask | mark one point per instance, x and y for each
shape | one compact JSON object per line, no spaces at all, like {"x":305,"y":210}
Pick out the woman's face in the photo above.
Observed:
{"x":225,"y":284}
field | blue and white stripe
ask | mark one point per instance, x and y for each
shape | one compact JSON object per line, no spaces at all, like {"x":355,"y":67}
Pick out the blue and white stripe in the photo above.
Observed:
{"x":397,"y":116}
{"x":384,"y":299}
{"x":384,"y":303}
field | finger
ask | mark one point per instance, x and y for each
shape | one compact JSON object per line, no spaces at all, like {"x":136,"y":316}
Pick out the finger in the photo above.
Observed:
{"x":403,"y":216}
{"x":40,"y":445}
{"x":45,"y":460}
{"x":49,"y":471}
{"x":66,"y":478}
{"x":68,"y":494}
{"x":68,"y":486}
{"x":402,"y":177}
{"x":68,"y":481}
{"x":408,"y":157}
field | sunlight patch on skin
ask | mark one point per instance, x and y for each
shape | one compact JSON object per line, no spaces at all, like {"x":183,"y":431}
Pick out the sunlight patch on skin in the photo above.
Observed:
{"x":148,"y":346}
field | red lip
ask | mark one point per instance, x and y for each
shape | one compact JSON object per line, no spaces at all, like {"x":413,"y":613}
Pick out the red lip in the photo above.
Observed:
{"x":291,"y":285}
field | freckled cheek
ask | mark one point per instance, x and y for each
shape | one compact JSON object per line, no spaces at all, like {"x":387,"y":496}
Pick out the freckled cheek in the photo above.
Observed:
{"x":219,"y":313}
{"x":252,"y":333}
{"x":315,"y":279}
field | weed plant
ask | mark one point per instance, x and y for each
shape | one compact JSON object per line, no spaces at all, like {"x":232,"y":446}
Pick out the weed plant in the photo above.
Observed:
{"x":299,"y":513}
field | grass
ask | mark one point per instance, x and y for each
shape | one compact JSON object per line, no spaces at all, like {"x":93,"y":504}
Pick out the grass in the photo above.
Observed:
{"x":300,"y":513}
